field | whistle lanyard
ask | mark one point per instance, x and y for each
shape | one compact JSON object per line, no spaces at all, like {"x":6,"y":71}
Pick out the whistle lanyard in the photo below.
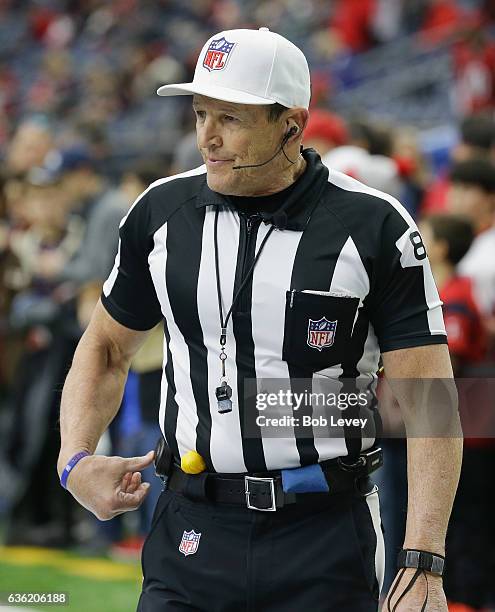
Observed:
{"x":224,"y":391}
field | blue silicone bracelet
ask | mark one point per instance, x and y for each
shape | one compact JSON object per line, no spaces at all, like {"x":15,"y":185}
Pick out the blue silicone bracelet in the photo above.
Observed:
{"x":68,"y":468}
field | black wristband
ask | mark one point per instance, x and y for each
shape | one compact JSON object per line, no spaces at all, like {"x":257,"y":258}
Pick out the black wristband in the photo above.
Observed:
{"x":421,"y":559}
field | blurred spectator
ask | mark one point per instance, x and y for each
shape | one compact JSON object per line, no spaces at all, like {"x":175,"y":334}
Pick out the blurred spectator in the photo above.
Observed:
{"x":138,"y":429}
{"x":101,"y":206}
{"x":387,"y":20}
{"x":352,"y":21}
{"x":42,"y":321}
{"x":63,"y":271}
{"x":469,"y":577}
{"x":186,"y":155}
{"x":53,"y":91}
{"x":447,"y":239}
{"x":477,"y":140}
{"x":31,"y":142}
{"x":324,"y":131}
{"x":139,"y":177}
{"x":411,"y":167}
{"x":441,"y":19}
{"x":474,"y":65}
{"x":367,"y":158}
{"x":472,"y":193}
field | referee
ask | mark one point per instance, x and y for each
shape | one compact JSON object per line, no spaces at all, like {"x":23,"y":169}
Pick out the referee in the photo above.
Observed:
{"x":263,"y":264}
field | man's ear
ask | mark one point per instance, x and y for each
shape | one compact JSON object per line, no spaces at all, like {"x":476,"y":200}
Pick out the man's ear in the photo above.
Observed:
{"x":297,"y":118}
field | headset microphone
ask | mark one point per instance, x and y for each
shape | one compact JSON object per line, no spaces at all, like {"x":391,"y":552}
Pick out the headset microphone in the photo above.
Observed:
{"x":291,"y":132}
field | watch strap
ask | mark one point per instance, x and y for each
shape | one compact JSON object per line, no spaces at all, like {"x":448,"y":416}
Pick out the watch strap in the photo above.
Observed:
{"x":421,"y":559}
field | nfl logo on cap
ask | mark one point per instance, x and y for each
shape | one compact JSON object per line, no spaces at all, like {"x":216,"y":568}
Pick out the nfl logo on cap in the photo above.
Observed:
{"x":217,"y":54}
{"x":321,"y":333}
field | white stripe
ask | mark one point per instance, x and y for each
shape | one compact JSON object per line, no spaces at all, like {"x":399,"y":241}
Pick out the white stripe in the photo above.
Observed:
{"x":434,"y":313}
{"x":187,"y":418}
{"x":226,"y":439}
{"x":350,"y":184}
{"x":408,"y":260}
{"x":373,"y":502}
{"x":109,"y":283}
{"x":333,"y":445}
{"x":163,"y":391}
{"x":371,"y":354}
{"x":271,"y":279}
{"x":162,"y":181}
{"x":350,"y":276}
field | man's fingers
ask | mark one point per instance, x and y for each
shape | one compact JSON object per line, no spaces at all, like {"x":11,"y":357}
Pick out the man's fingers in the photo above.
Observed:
{"x":131,"y":501}
{"x":132,"y":484}
{"x":135,"y":464}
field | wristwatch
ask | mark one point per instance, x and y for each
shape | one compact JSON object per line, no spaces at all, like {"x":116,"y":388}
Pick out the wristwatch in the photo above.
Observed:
{"x":421,"y":559}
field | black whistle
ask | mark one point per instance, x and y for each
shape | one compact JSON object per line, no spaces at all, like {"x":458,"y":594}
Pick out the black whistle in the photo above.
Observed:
{"x":223,"y":394}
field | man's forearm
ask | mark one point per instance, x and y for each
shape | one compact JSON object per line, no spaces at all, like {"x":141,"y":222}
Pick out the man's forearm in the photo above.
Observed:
{"x":433,"y":474}
{"x":91,"y":397}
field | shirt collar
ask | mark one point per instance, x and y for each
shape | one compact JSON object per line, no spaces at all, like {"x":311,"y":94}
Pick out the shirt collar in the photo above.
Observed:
{"x":297,"y":209}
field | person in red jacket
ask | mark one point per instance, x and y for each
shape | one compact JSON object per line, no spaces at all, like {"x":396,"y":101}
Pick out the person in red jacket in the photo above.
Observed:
{"x":468,"y":579}
{"x":447,"y":239}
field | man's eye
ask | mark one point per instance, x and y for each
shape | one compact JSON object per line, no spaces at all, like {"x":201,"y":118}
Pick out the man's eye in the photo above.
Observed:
{"x":229,"y":118}
{"x":200,"y":114}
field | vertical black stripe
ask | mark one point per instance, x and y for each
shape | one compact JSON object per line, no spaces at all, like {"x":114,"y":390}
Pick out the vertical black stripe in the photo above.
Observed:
{"x":314,"y":266}
{"x":182,"y":274}
{"x":254,"y":457}
{"x":171,"y":407}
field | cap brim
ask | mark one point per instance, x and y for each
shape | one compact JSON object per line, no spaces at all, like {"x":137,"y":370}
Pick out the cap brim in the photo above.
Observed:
{"x":213,"y":91}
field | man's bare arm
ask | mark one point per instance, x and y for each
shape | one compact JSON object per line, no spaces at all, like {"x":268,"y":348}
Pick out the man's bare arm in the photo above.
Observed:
{"x":90,"y":400}
{"x":433,"y":463}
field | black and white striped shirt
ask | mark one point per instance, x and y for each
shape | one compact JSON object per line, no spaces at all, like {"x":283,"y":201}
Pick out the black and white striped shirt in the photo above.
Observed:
{"x":341,"y":239}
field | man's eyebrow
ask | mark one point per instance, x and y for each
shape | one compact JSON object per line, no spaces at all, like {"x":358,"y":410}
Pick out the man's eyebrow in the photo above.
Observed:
{"x":224,"y":108}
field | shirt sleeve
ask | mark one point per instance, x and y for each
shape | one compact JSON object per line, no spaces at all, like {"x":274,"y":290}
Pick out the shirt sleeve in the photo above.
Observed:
{"x":129,"y":294}
{"x":406,"y":310}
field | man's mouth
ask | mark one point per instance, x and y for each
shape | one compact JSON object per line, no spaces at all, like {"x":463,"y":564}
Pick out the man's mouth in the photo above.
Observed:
{"x":214,"y":161}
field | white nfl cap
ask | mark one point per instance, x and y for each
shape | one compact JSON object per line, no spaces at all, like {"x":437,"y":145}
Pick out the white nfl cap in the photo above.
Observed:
{"x":249,"y":67}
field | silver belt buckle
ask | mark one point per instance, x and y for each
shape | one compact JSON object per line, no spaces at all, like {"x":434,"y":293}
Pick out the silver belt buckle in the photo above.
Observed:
{"x":271,"y":483}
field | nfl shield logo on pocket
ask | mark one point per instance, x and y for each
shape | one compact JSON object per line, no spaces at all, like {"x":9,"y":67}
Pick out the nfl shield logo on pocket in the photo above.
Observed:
{"x":321,"y":333}
{"x":189,"y":543}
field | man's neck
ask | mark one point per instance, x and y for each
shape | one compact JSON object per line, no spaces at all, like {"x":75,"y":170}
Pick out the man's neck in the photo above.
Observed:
{"x":293,"y":173}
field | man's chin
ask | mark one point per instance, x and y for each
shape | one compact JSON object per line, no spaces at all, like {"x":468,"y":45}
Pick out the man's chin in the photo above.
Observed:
{"x":221,"y":184}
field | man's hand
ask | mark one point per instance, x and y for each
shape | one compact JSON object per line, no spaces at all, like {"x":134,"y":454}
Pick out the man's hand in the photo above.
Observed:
{"x":108,"y":486}
{"x":414,"y":599}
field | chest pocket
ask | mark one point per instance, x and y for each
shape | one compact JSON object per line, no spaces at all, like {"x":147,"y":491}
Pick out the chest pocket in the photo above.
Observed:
{"x":318,"y":328}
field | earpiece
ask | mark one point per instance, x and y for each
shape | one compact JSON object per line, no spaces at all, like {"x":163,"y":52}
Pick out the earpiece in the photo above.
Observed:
{"x":293,"y":130}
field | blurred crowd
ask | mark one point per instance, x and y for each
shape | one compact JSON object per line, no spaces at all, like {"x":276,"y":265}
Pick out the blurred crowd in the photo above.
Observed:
{"x":82,"y":134}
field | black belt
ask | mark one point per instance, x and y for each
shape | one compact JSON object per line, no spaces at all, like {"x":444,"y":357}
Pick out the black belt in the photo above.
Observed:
{"x":264,"y":491}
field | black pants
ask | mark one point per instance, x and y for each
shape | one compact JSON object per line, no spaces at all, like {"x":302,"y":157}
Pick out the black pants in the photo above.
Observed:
{"x":304,"y":557}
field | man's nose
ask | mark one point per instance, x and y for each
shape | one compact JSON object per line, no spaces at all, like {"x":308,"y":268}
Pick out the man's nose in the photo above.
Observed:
{"x":208,"y":135}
